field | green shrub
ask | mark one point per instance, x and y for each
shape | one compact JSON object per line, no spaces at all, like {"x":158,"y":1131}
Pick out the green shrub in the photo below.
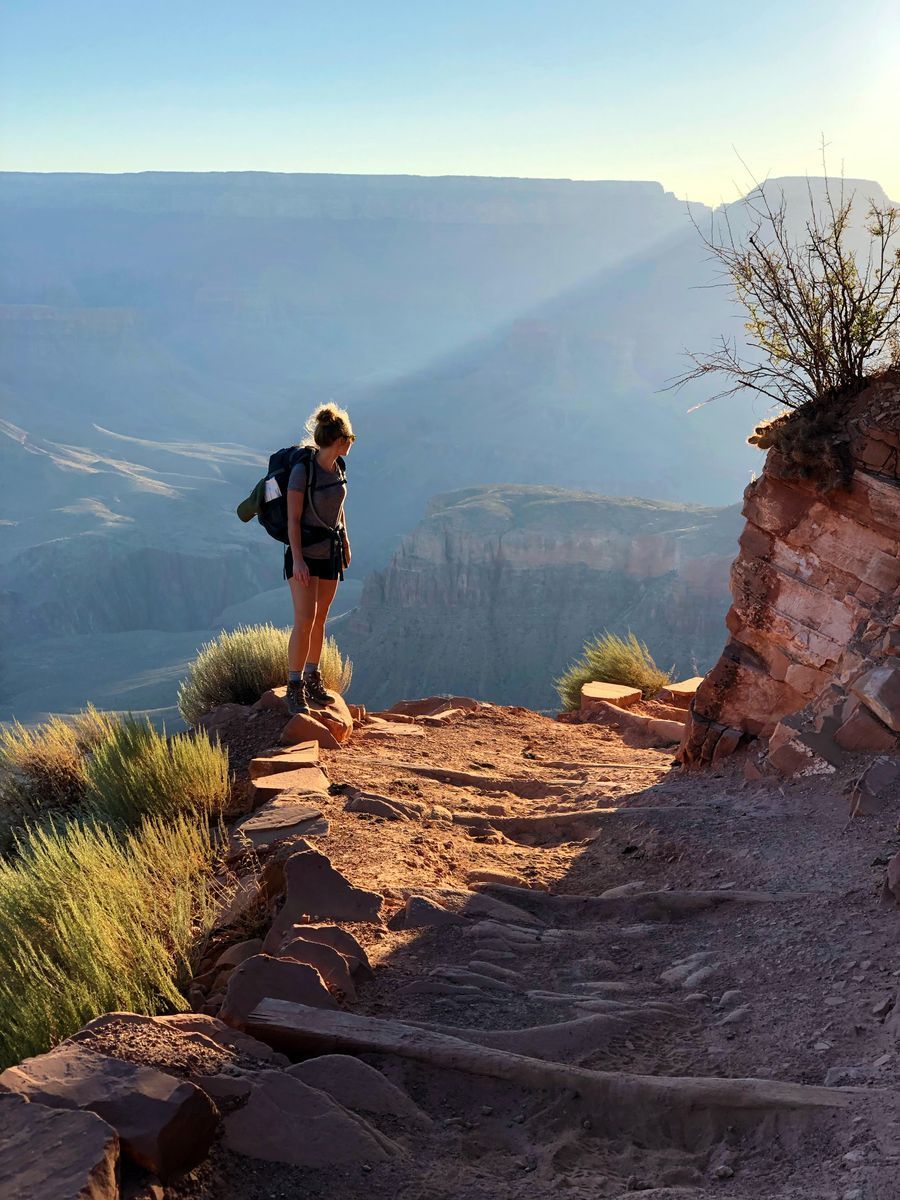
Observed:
{"x":611,"y":659}
{"x":137,"y":772}
{"x":238,"y":666}
{"x":43,"y":770}
{"x":91,"y":923}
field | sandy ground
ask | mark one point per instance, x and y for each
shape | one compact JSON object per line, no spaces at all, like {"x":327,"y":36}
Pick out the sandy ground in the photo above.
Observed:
{"x":791,"y":976}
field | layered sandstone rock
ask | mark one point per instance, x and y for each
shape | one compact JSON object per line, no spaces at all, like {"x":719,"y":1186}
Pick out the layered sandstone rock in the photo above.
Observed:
{"x":811,"y":666}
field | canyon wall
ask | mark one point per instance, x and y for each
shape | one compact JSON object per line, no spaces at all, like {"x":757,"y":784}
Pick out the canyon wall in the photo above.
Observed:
{"x":496,"y":591}
{"x":810,"y":669}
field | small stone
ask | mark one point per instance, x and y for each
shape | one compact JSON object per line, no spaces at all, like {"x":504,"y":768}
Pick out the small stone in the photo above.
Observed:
{"x":730,"y":997}
{"x":736,"y":1016}
{"x":724,"y":1171}
{"x":822,"y":1046}
{"x":883,"y":1007}
{"x":833,"y":1001}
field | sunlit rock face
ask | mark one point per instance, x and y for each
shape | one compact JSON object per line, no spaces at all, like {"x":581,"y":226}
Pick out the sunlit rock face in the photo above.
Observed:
{"x":811,"y":663}
{"x":496,"y":591}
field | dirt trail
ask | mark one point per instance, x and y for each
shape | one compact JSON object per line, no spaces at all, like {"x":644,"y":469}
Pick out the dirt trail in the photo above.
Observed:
{"x":650,"y":924}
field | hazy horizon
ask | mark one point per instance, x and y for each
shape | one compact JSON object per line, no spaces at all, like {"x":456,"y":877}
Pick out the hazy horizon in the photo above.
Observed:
{"x":575,"y":90}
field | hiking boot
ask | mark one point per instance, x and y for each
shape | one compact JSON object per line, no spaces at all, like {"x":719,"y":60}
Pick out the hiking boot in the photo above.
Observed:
{"x":296,"y":697}
{"x":316,"y":692}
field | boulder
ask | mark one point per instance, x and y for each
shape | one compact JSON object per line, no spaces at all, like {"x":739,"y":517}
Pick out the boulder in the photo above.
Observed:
{"x":303,"y":727}
{"x":330,"y":963}
{"x":879,"y":690}
{"x":328,"y":935}
{"x":316,"y":889}
{"x":877,"y":789}
{"x":52,"y":1154}
{"x":436,"y":720}
{"x":421,"y":913}
{"x":164,"y":1124}
{"x":276,"y":979}
{"x":680,"y":694}
{"x":359,"y":1087}
{"x":238,"y":952}
{"x":862,"y":732}
{"x":292,"y":758}
{"x":286,"y":1121}
{"x":609,"y":693}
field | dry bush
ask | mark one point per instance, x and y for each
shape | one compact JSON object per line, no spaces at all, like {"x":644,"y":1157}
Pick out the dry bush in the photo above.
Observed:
{"x":137,"y":772}
{"x":238,"y":666}
{"x":611,"y":659}
{"x":91,"y":923}
{"x":822,"y":318}
{"x":43,"y":770}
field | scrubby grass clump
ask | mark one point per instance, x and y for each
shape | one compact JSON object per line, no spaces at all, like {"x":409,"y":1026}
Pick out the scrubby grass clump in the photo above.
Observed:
{"x":612,"y":659}
{"x":137,"y":772}
{"x":91,"y":923}
{"x":43,"y":770}
{"x":238,"y":666}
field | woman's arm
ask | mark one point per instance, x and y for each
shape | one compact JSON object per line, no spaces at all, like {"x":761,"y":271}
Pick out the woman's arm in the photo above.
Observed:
{"x":295,"y":512}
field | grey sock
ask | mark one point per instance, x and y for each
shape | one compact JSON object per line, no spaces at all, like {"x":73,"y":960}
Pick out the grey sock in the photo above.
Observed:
{"x":309,"y":668}
{"x":294,"y":676}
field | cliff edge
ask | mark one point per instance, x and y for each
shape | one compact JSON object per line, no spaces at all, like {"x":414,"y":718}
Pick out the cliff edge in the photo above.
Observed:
{"x":811,"y":669}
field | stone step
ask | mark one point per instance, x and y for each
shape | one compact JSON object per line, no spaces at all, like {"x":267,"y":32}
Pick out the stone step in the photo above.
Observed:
{"x":304,"y":754}
{"x":301,"y":779}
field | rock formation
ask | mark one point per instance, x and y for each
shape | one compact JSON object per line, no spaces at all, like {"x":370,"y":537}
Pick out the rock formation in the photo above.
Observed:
{"x":496,"y":591}
{"x":811,"y":664}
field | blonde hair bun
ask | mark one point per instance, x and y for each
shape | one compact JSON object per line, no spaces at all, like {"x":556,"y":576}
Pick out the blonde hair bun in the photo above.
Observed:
{"x":329,"y":424}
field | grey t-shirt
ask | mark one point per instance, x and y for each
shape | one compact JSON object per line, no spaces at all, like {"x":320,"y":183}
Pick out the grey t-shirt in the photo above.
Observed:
{"x":328,"y":496}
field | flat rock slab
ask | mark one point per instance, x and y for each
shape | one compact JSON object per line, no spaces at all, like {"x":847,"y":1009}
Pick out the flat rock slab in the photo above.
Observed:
{"x":277,"y":978}
{"x":430,"y":706}
{"x":611,"y":693}
{"x":309,"y":778}
{"x":279,"y":819}
{"x":388,"y":730}
{"x":55,"y":1154}
{"x":384,"y":806}
{"x":286,"y":1121}
{"x":292,"y":758}
{"x":421,"y":913}
{"x":680,"y":694}
{"x":165,"y":1124}
{"x":316,"y":889}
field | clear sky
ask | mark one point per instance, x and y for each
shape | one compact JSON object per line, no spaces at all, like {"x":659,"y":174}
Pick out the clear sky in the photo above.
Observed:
{"x":587,"y":89}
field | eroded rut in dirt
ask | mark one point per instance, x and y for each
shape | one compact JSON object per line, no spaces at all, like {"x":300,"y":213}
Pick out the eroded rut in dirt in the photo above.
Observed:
{"x":598,"y":977}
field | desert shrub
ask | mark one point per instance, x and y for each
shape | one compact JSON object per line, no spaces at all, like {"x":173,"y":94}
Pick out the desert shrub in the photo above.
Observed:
{"x":91,"y":922}
{"x":137,"y":772}
{"x":238,"y":666}
{"x":611,"y":659}
{"x":822,"y":315}
{"x":44,"y":769}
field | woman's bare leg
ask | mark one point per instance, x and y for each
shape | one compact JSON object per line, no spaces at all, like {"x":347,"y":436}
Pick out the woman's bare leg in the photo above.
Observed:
{"x":327,"y":589}
{"x":305,"y":613}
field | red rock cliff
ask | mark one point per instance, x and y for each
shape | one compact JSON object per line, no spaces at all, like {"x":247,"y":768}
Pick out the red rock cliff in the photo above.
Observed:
{"x":812,"y":663}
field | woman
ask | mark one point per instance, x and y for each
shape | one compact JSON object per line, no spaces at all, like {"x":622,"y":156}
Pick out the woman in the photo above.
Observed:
{"x":319,"y":550}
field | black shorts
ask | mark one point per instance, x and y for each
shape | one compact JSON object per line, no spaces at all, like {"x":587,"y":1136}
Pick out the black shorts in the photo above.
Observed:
{"x":319,"y":568}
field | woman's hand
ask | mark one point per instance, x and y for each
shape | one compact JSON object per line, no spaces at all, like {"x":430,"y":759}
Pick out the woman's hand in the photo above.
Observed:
{"x":347,"y":554}
{"x":301,"y":571}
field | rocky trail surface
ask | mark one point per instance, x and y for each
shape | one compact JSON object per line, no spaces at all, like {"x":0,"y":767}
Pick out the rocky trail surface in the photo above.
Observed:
{"x":537,"y":962}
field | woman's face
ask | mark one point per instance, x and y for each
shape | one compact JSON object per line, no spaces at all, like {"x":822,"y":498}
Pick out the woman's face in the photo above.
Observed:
{"x":345,"y":444}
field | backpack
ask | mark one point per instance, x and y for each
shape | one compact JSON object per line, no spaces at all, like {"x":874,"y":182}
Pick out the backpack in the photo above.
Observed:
{"x":268,"y":500}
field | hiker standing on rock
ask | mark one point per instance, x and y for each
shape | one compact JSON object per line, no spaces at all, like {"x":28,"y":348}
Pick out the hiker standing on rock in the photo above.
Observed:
{"x":318,"y":549}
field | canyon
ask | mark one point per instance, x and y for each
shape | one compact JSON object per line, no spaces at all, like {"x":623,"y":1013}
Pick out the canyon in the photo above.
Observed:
{"x":498,"y":588}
